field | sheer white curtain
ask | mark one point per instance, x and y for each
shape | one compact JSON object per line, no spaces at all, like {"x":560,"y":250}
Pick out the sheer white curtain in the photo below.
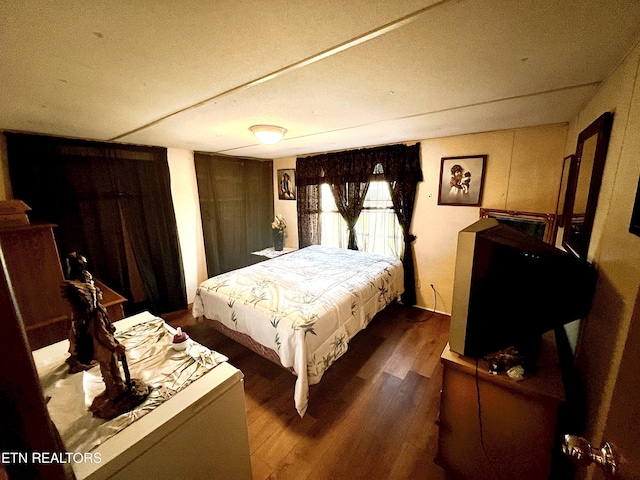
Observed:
{"x":377,"y":230}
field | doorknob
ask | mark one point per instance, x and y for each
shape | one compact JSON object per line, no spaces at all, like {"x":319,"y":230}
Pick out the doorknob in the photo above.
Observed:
{"x":581,"y":452}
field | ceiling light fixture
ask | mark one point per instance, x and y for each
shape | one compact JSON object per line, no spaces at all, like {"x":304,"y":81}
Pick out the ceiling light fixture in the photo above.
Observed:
{"x":268,"y":134}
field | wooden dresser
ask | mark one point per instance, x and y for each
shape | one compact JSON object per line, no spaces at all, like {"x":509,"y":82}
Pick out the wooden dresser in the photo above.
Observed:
{"x":491,"y":426}
{"x":36,"y":276}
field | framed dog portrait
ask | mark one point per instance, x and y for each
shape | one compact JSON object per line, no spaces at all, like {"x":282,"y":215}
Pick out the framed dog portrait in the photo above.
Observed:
{"x":461,"y":180}
{"x":287,"y":184}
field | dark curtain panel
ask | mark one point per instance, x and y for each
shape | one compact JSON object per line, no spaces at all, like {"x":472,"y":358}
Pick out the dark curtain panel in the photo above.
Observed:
{"x":397,"y":164}
{"x":403,"y":196}
{"x":107,"y":200}
{"x":308,"y":215}
{"x":236,"y":204}
{"x":349,"y":198}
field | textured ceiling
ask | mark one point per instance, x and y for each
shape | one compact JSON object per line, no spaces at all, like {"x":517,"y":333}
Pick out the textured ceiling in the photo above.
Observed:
{"x":196,"y":75}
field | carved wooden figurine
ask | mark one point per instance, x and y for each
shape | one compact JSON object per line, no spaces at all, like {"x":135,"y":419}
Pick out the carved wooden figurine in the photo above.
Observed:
{"x":95,"y":341}
{"x":76,"y":269}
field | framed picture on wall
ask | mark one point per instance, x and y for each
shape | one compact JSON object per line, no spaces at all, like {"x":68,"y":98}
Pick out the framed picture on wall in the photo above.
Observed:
{"x":461,"y":180}
{"x":287,"y":184}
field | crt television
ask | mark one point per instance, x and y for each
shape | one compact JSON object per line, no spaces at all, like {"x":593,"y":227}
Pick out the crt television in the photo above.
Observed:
{"x":510,"y":288}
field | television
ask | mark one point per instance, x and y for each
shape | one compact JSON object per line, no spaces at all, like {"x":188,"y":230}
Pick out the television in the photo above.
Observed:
{"x":510,"y":288}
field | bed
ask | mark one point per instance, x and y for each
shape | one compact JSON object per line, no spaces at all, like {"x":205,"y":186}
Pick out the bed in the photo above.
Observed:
{"x":301,"y":309}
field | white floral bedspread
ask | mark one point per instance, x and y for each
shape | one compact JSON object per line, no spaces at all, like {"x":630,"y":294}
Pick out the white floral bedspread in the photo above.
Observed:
{"x":305,"y":305}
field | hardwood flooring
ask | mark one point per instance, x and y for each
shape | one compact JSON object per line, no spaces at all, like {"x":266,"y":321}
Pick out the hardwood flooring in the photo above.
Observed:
{"x":373,"y":415}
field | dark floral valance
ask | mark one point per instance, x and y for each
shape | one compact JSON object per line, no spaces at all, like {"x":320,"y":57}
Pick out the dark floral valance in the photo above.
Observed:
{"x":393,"y":163}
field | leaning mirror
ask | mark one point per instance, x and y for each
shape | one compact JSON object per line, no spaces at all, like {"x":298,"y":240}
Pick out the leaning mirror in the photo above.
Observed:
{"x":585,"y":178}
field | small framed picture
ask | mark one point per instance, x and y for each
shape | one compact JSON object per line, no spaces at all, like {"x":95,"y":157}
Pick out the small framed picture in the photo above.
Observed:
{"x":461,"y":180}
{"x":287,"y":184}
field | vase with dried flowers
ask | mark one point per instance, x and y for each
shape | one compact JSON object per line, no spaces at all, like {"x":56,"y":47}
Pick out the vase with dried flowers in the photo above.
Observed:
{"x":278,"y":226}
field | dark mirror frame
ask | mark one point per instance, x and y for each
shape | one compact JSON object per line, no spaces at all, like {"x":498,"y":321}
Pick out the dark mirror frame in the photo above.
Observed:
{"x":578,"y":228}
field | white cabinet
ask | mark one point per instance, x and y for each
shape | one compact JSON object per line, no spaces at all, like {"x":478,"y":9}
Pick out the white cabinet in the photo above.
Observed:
{"x":200,"y":432}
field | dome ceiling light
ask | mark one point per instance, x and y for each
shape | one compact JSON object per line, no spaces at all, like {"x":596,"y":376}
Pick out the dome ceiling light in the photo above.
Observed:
{"x":268,"y":134}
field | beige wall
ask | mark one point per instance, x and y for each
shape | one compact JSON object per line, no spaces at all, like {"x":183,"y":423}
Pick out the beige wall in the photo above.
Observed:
{"x":614,"y":251}
{"x":522,"y":173}
{"x":184,"y":190}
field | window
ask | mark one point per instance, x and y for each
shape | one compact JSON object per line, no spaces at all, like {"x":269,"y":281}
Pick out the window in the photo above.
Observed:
{"x":377,"y":229}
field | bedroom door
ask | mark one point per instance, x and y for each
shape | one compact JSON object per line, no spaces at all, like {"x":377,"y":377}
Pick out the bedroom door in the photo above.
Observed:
{"x":623,"y":424}
{"x":622,"y":428}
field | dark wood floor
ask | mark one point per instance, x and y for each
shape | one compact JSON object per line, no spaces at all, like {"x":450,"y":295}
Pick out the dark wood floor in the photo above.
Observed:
{"x":373,"y":415}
